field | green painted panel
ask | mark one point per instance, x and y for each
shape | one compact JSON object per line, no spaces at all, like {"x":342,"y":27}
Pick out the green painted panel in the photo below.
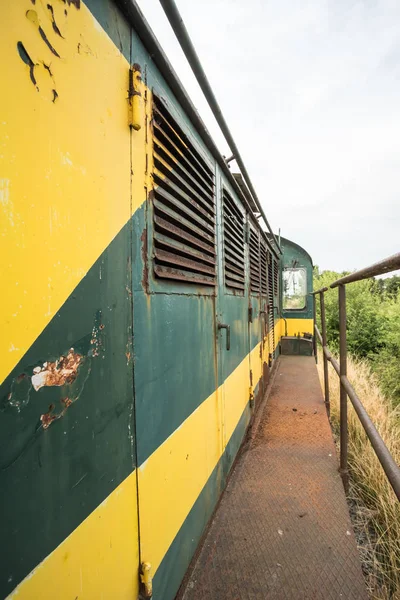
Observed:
{"x":55,"y":477}
{"x":113,"y":22}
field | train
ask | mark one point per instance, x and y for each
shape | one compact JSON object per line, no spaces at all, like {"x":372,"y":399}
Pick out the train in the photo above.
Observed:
{"x":143,"y":310}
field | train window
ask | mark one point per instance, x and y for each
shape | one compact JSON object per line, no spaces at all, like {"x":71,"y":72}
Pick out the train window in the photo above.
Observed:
{"x":183,"y":203}
{"x":254,"y":252}
{"x":233,"y":223}
{"x":294,"y":288}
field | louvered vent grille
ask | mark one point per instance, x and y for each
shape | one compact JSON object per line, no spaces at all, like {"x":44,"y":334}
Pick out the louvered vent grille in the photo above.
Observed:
{"x":254,"y":250}
{"x":184,"y":205}
{"x":276,"y":278}
{"x":263,"y":264}
{"x":271,"y":311}
{"x":234,"y":269}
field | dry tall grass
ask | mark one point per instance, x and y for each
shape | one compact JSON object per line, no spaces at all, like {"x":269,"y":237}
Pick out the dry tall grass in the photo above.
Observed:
{"x":374,"y":506}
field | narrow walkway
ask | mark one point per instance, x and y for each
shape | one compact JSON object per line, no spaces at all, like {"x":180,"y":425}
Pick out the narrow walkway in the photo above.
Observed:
{"x":282,"y":529}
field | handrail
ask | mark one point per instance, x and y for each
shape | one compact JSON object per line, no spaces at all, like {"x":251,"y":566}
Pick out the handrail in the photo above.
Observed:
{"x":182,"y":35}
{"x":392,"y":263}
{"x":387,"y":461}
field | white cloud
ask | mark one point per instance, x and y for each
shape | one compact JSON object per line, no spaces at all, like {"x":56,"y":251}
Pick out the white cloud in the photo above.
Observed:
{"x":311,"y":92}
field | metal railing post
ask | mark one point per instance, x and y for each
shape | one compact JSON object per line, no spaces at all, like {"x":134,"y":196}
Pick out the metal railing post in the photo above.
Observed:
{"x":343,"y":395}
{"x":315,"y":324}
{"x":324,"y":344}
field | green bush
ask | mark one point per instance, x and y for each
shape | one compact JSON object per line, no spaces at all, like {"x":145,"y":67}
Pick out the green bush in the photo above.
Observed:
{"x":373,"y":324}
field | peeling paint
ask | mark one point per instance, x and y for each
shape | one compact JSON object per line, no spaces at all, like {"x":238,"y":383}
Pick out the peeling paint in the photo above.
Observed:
{"x":57,"y":373}
{"x":53,"y":20}
{"x":27,"y":60}
{"x":32,"y":16}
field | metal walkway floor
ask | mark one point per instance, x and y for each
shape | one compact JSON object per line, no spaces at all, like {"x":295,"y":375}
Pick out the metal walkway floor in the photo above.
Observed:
{"x":282,"y":529}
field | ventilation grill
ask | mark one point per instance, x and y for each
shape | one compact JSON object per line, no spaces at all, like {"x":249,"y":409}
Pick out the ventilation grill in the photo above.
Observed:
{"x":254,"y":250}
{"x":276,"y":278}
{"x":271,"y":312}
{"x":233,"y":245}
{"x":184,"y":205}
{"x":264,"y":267}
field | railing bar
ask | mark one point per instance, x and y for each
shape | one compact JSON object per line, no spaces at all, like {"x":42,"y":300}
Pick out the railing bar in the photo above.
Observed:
{"x":392,"y":263}
{"x":326,"y":376}
{"x":343,"y":395}
{"x":319,"y":336}
{"x":324,"y":289}
{"x":387,"y":461}
{"x":385,"y":458}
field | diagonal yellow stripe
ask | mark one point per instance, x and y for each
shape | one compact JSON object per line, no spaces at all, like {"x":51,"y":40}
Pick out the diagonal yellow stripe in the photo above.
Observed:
{"x":64,"y":162}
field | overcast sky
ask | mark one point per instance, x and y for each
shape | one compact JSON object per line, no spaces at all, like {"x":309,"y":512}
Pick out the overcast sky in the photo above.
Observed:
{"x":311,"y":92}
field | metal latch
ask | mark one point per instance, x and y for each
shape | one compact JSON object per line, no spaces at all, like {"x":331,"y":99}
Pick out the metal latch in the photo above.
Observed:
{"x":228,"y":334}
{"x":146,"y":579}
{"x":135,"y":97}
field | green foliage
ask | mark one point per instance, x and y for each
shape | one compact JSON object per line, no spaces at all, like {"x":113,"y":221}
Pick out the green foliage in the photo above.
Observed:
{"x":373,"y":324}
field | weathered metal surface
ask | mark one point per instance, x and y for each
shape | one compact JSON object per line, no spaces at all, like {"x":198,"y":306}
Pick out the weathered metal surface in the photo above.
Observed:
{"x":343,"y":396}
{"x":234,"y":247}
{"x":184,"y":198}
{"x":324,"y":343}
{"x":392,"y":263}
{"x":282,"y":529}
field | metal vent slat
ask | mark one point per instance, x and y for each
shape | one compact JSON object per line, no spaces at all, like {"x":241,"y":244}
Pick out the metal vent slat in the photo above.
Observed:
{"x":183,"y":165}
{"x":254,"y":251}
{"x":177,"y":233}
{"x":188,"y":198}
{"x":233,"y":236}
{"x":171,"y":244}
{"x":183,"y":205}
{"x":182,"y":181}
{"x":176,"y":217}
{"x":263,"y":261}
{"x":171,"y":128}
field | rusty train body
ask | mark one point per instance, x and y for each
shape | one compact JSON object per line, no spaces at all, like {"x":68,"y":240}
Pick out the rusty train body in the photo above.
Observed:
{"x":143,"y":308}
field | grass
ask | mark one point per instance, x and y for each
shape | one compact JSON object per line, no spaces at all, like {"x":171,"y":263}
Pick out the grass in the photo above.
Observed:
{"x":374,"y":507}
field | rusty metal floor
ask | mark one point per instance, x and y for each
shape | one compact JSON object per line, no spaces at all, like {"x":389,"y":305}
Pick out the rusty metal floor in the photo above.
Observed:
{"x":282,"y":529}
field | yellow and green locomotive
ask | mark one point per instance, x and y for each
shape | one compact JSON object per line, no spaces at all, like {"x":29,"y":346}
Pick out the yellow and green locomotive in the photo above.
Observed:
{"x":141,"y":308}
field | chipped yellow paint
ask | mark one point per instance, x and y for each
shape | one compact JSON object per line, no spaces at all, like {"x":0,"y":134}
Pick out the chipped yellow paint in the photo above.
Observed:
{"x":65,"y":163}
{"x":100,"y":559}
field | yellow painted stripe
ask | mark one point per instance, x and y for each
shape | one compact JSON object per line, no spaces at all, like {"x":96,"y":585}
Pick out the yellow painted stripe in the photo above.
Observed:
{"x":298,"y":326}
{"x":173,"y":476}
{"x":65,"y":165}
{"x":99,"y":560}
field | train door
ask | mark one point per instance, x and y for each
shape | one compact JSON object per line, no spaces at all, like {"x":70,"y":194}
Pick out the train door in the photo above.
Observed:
{"x":231,"y":330}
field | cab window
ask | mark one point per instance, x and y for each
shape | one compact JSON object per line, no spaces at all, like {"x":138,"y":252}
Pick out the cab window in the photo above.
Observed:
{"x":294,"y":288}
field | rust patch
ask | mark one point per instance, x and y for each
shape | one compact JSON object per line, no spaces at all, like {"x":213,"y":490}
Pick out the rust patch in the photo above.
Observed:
{"x":145,"y":277}
{"x":57,"y":373}
{"x":48,"y":418}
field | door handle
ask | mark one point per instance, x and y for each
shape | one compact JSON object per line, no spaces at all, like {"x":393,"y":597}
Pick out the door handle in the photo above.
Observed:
{"x":228,"y":334}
